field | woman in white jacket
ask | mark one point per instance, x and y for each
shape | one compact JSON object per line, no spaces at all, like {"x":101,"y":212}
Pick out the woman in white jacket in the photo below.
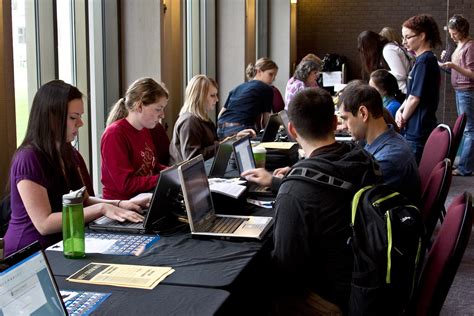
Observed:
{"x":376,"y":52}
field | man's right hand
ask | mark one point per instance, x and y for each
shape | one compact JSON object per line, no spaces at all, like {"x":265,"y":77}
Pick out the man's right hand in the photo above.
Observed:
{"x":259,"y":176}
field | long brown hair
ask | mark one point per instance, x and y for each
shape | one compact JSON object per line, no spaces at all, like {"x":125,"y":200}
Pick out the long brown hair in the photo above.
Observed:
{"x":47,"y":132}
{"x":370,"y":46}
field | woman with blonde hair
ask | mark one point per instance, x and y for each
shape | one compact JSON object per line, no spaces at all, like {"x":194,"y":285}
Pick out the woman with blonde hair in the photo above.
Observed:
{"x":194,"y":133}
{"x":130,"y":163}
{"x":250,"y":103}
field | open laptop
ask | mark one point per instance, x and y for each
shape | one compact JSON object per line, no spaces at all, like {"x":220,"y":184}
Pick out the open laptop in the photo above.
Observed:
{"x":163,"y":202}
{"x":221,"y":160}
{"x":27,"y":285}
{"x":203,"y":220}
{"x":271,"y":129}
{"x":283,"y":114}
{"x":244,"y":159}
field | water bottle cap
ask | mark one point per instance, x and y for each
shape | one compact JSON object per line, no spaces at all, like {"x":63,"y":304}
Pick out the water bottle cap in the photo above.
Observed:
{"x":74,"y":197}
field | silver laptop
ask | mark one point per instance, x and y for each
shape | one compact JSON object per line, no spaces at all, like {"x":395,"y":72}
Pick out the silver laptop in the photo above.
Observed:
{"x":203,"y":220}
{"x":165,"y":200}
{"x":27,"y":286}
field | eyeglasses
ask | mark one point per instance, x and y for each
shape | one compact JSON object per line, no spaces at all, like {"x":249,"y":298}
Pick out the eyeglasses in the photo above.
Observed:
{"x":406,"y":38}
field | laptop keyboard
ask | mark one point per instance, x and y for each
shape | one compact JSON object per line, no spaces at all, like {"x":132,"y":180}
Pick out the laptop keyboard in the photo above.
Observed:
{"x":226,"y":225}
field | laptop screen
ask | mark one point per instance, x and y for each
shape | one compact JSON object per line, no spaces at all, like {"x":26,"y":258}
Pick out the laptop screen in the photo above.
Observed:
{"x":165,"y":197}
{"x":27,"y":286}
{"x":283,"y":114}
{"x":196,"y":190}
{"x":244,"y":154}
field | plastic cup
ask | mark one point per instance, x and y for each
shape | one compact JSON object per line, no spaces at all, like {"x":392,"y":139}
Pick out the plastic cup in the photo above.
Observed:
{"x":259,"y":154}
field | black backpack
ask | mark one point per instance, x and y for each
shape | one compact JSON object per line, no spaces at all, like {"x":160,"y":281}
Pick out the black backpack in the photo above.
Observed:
{"x":387,"y":245}
{"x":387,"y":234}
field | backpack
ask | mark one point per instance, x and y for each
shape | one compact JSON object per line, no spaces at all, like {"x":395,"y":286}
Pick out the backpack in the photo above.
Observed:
{"x":387,"y":232}
{"x":387,"y":243}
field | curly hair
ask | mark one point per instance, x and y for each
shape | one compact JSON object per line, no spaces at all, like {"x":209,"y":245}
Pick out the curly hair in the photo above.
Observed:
{"x":304,"y":69}
{"x":425,"y":23}
{"x":460,"y":24}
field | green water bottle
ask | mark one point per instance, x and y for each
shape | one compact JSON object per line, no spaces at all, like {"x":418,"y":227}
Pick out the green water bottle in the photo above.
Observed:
{"x":73,"y":224}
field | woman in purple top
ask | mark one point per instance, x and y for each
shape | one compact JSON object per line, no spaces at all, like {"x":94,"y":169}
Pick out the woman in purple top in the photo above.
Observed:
{"x":46,"y":166}
{"x":462,"y":79}
{"x":305,"y":76}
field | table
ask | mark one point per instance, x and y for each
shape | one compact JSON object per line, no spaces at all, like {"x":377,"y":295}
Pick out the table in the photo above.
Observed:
{"x":238,"y":267}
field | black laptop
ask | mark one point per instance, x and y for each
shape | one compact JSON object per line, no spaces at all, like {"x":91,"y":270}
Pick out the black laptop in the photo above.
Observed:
{"x":165,"y":200}
{"x":220,"y":163}
{"x":271,"y":129}
{"x":245,"y":161}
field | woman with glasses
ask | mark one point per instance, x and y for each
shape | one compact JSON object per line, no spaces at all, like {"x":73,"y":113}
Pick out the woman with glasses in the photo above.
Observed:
{"x":462,"y":79}
{"x":130,"y":161}
{"x":305,"y":76}
{"x":417,"y":115}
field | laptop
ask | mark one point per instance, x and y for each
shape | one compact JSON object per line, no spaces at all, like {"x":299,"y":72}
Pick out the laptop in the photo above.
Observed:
{"x":27,"y":285}
{"x":245,"y":161}
{"x":271,"y":129}
{"x":203,"y":220}
{"x":283,"y":114}
{"x":164,"y":201}
{"x":221,"y":160}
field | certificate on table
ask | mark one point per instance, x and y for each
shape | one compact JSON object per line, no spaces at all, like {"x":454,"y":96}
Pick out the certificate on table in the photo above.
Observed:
{"x":134,"y":276}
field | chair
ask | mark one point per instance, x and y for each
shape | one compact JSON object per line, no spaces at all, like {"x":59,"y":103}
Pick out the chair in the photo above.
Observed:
{"x":437,"y":148}
{"x":444,"y":258}
{"x":458,"y":130}
{"x":434,"y":196}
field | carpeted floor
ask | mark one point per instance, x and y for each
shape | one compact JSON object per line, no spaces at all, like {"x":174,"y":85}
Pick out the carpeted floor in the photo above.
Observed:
{"x":460,"y":300}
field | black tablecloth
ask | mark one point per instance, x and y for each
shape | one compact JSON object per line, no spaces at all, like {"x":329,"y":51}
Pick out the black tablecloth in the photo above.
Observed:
{"x":162,"y":300}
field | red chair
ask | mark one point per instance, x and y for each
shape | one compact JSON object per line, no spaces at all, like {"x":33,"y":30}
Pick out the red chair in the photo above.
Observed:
{"x":436,"y":149}
{"x":444,"y":258}
{"x":434,"y":196}
{"x":458,"y":130}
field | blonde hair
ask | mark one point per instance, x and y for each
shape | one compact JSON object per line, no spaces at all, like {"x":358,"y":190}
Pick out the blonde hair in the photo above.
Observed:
{"x":196,"y":96}
{"x":145,"y":90}
{"x":262,"y":64}
{"x":391,"y":34}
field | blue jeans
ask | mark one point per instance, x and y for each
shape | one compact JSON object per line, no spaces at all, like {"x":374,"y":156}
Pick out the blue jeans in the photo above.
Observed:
{"x":223,"y":132}
{"x":465,"y":104}
{"x":417,"y":149}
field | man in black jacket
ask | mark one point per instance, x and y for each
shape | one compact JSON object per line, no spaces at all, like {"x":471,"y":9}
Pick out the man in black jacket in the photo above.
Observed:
{"x":311,"y":256}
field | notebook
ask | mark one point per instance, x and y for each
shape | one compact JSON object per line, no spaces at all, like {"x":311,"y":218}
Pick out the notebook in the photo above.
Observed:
{"x":203,"y":220}
{"x":27,"y":287}
{"x":165,"y":199}
{"x":221,"y":160}
{"x":245,"y":161}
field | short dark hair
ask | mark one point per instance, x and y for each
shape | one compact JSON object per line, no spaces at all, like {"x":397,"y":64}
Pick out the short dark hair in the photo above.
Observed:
{"x":312,"y":113}
{"x":460,"y":24}
{"x":357,"y":93}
